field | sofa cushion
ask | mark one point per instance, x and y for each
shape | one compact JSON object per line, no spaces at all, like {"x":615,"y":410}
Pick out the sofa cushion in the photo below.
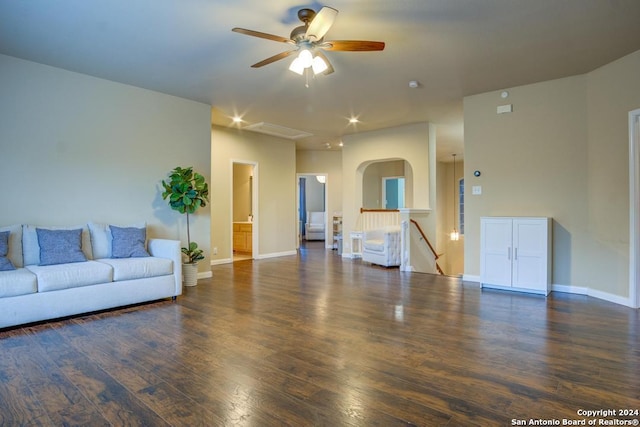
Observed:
{"x":101,"y":238}
{"x":63,"y":276}
{"x":374,"y":245}
{"x":31,"y":247}
{"x":128,"y":242}
{"x":5,"y":263}
{"x":138,"y":268}
{"x":60,"y":246}
{"x":17,"y":282}
{"x":15,"y":244}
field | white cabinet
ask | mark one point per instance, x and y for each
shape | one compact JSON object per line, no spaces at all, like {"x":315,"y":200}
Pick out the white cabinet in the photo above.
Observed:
{"x":515,"y":253}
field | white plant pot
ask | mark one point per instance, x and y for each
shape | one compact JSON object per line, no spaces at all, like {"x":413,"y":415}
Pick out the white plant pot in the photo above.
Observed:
{"x":190,"y":274}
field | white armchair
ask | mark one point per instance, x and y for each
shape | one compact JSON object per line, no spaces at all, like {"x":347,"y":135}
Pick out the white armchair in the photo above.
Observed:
{"x":382,"y":246}
{"x":315,"y":226}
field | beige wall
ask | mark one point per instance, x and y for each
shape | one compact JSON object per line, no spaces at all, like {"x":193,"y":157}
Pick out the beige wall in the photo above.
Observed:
{"x":274,"y":185}
{"x":75,"y":148}
{"x":562,"y":153}
{"x":410,"y":143}
{"x":612,"y":91}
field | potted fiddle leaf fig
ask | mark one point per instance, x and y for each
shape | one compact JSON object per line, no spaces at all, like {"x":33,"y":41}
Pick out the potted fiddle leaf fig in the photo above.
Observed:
{"x":187,"y":191}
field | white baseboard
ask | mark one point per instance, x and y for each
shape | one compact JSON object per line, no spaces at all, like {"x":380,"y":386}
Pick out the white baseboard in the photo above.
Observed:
{"x":578,"y":290}
{"x":263,"y":256}
{"x":205,"y":275}
{"x":277,"y":254}
{"x":617,"y":299}
{"x":606,"y":296}
{"x":570,"y":289}
{"x":470,"y":278}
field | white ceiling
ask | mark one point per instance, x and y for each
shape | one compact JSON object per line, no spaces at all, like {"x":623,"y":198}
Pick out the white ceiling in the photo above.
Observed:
{"x":454,"y":48}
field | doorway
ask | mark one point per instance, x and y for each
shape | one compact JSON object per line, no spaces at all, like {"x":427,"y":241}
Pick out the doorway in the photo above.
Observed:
{"x":244,"y":212}
{"x":311,"y":197}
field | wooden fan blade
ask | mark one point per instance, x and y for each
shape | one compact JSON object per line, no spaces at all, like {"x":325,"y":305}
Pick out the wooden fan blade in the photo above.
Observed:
{"x":262,"y":35}
{"x":274,"y":58}
{"x":329,"y":69}
{"x":352,"y":45}
{"x":321,"y":23}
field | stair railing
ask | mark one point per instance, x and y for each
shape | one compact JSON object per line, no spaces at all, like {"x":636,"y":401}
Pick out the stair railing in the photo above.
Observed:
{"x":433,"y":251}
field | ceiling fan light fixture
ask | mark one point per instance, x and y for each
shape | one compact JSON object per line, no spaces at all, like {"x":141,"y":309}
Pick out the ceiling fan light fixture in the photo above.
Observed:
{"x":319,"y":65}
{"x":309,"y":38}
{"x":306,"y":58}
{"x":297,"y":66}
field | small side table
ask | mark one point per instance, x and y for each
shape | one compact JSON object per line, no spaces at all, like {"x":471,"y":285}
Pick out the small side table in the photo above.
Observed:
{"x":356,"y":243}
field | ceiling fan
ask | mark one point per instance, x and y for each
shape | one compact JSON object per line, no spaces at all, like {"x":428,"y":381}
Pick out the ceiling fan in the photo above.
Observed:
{"x":309,"y":42}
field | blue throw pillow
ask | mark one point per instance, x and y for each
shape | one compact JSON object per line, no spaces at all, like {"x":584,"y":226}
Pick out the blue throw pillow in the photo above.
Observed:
{"x":128,"y":242}
{"x":5,"y":263}
{"x":60,"y":246}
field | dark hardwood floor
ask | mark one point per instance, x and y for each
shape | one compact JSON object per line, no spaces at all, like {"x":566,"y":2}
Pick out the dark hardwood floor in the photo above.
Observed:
{"x":315,"y":340}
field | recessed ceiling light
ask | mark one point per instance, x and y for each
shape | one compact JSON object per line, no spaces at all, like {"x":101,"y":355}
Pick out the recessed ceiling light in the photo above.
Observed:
{"x":237,"y":119}
{"x":353,"y":120}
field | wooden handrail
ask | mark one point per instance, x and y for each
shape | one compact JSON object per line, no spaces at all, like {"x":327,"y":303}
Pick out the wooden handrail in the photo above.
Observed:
{"x":378,"y":210}
{"x":433,"y":251}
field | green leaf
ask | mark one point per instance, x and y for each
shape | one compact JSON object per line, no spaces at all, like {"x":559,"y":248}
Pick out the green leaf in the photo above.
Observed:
{"x":186,"y":191}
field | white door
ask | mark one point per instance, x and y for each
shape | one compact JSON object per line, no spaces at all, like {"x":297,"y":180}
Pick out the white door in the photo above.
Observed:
{"x":496,"y":251}
{"x":530,"y":253}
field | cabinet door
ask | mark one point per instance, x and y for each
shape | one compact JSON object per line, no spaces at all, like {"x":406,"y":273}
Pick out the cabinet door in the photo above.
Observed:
{"x":530,"y":243}
{"x":239,"y":241}
{"x":496,"y":251}
{"x":249,"y":242}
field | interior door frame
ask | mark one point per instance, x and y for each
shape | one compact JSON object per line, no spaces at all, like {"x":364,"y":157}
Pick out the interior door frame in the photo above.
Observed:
{"x":634,"y":208}
{"x":255,"y":207}
{"x":328,"y":229}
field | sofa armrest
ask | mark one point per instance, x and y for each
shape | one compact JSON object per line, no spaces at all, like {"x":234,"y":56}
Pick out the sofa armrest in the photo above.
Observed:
{"x":170,"y":249}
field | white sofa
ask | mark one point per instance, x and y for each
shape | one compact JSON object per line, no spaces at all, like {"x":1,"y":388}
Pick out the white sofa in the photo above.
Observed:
{"x":43,"y":286}
{"x":315,"y":226}
{"x":382,"y":246}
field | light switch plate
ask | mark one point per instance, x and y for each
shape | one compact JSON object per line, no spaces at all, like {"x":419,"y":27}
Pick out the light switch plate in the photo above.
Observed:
{"x":476,"y":190}
{"x":508,"y":108}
